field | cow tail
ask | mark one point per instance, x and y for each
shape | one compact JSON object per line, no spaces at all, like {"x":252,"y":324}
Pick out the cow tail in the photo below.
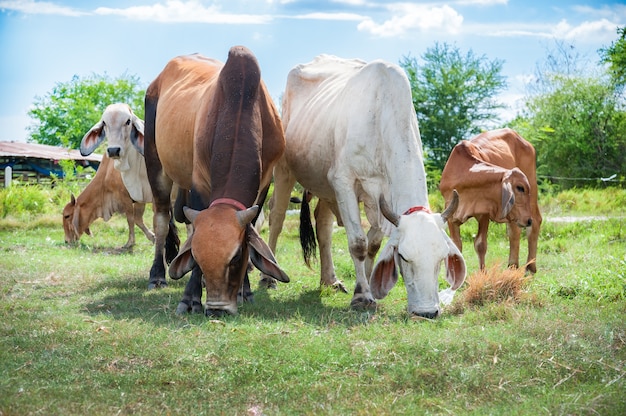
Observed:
{"x":172,"y":242}
{"x":307,"y":234}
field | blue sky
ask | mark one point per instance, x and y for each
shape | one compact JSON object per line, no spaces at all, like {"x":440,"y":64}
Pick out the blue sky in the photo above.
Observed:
{"x":46,"y":42}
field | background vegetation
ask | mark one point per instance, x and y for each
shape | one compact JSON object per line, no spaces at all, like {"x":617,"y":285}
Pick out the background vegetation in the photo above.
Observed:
{"x":80,"y":334}
{"x":574,"y":112}
{"x":64,"y":115}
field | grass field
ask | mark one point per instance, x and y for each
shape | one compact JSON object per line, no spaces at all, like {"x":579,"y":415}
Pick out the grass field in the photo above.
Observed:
{"x":80,"y":334}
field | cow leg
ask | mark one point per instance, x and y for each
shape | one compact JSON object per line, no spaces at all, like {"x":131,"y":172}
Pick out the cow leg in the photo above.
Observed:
{"x":161,"y":187}
{"x":139,"y":209}
{"x":480,"y":242}
{"x":283,"y":184}
{"x":375,"y":237}
{"x":514,"y":233}
{"x":192,"y":297}
{"x":455,"y":234}
{"x":245,"y":293}
{"x":533,"y":237}
{"x":357,"y":241}
{"x":131,"y":230}
{"x":324,"y":229}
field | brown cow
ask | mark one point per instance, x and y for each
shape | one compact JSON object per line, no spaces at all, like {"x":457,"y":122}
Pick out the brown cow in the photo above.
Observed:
{"x":212,"y":128}
{"x":101,"y":198}
{"x":495,"y":175}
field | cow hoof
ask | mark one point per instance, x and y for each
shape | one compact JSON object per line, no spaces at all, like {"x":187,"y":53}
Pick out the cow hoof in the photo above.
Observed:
{"x":159,"y":284}
{"x":339,"y":286}
{"x":267,"y":283}
{"x":196,"y":307}
{"x":183,"y":308}
{"x":427,"y":315}
{"x":245,"y":297}
{"x":532,"y":267}
{"x":362,"y":302}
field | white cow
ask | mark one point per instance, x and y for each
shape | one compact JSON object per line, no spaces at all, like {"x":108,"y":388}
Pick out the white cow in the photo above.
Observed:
{"x":117,"y":124}
{"x":352,"y":136}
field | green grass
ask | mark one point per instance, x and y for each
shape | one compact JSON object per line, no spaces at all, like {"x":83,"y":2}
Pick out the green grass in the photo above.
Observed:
{"x":80,"y":334}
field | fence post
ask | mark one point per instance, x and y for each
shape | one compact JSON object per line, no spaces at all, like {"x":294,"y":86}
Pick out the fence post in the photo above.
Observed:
{"x":8,"y":176}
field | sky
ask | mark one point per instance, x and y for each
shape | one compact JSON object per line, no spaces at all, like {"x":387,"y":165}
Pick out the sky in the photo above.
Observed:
{"x":43,"y":43}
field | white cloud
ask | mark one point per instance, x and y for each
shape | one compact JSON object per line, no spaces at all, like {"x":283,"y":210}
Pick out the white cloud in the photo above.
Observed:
{"x":603,"y":30}
{"x":595,"y":30}
{"x":32,"y":7}
{"x":176,"y":11}
{"x":407,"y":17}
{"x":330,"y":16}
{"x":482,"y":2}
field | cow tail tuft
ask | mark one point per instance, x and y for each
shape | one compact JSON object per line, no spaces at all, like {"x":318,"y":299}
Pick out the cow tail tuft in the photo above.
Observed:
{"x":307,"y":234}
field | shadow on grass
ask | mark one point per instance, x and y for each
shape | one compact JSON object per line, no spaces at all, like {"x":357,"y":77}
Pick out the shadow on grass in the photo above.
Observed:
{"x":127,"y":298}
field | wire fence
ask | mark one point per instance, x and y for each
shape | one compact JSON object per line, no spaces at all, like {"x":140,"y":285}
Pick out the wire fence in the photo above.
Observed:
{"x":611,"y":179}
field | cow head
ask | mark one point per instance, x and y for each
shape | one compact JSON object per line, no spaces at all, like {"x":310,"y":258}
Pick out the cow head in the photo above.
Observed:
{"x":72,"y":225}
{"x":222,"y":242}
{"x":417,"y":247}
{"x":516,"y":198}
{"x":122,"y":128}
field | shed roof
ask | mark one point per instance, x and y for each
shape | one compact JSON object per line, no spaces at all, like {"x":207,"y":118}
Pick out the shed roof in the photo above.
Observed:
{"x":42,"y":151}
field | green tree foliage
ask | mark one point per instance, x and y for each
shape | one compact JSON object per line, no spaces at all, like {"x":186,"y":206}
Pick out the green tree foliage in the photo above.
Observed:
{"x":577,"y":129}
{"x":453,"y":96}
{"x":615,"y":56}
{"x":64,"y":115}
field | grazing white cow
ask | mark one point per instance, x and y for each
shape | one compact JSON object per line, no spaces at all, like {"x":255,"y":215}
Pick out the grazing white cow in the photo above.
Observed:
{"x":352,"y":137}
{"x":119,"y":125}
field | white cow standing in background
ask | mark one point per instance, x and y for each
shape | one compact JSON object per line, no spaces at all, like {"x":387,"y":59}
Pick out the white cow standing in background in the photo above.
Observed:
{"x":118,"y":124}
{"x":352,"y":137}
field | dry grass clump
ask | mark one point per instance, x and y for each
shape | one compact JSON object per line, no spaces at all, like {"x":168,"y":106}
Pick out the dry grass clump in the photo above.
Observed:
{"x":492,"y":285}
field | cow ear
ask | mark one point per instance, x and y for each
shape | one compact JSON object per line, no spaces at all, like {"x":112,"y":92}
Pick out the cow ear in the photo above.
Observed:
{"x":508,"y":199}
{"x":262,"y":257}
{"x":76,"y":221}
{"x":183,"y":262}
{"x":92,"y":139}
{"x":385,"y":274}
{"x":72,"y":200}
{"x":136,"y":134}
{"x":455,"y":265}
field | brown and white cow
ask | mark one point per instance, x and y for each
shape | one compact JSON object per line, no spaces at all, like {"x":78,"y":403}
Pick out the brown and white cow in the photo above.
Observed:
{"x":104,"y":196}
{"x":495,"y":176}
{"x":352,"y":137}
{"x":212,"y":128}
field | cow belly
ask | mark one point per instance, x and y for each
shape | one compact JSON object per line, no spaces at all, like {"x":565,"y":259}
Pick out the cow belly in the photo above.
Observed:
{"x":176,"y":153}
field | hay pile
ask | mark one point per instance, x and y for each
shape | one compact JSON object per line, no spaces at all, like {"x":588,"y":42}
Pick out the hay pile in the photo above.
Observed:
{"x":492,"y":285}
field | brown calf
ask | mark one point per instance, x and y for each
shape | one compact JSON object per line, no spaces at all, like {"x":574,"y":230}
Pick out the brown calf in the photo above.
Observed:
{"x":495,"y":175}
{"x":104,"y":196}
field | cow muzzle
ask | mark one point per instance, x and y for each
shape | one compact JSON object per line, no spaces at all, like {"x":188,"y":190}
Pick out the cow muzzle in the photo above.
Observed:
{"x":114,"y":152}
{"x":219,"y":309}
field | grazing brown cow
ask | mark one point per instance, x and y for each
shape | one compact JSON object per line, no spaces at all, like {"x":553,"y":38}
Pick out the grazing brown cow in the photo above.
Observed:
{"x":495,"y":175}
{"x":102,"y":197}
{"x":212,"y":128}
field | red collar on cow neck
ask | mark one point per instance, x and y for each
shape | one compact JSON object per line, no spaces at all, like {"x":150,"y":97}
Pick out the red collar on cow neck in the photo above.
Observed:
{"x":416,"y":209}
{"x":229,"y":201}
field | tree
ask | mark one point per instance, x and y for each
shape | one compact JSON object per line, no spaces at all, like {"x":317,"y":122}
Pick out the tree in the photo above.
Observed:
{"x":453,"y":96}
{"x":64,"y":115}
{"x":615,"y":56}
{"x":578,"y":130}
